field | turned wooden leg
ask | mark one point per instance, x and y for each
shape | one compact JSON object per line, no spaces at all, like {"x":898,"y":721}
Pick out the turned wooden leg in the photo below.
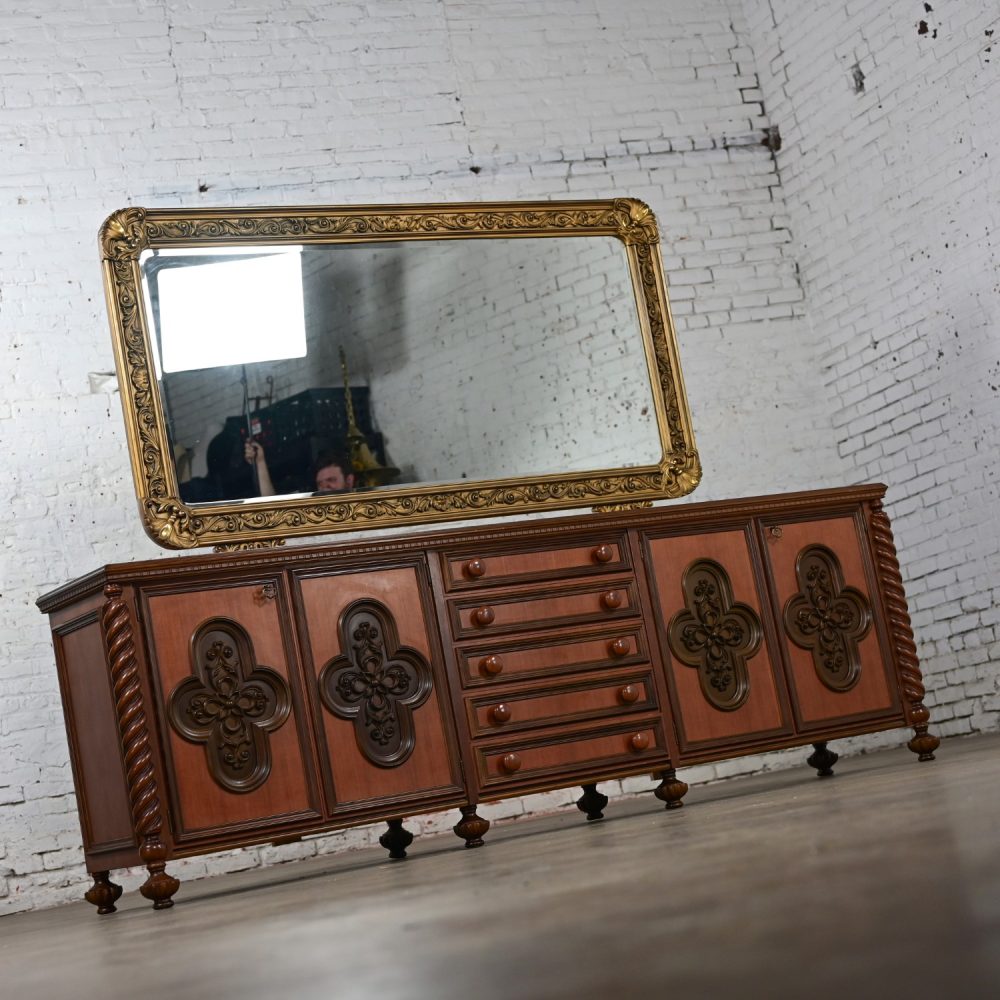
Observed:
{"x":396,"y":840}
{"x":823,"y":760}
{"x":592,"y":802}
{"x":160,"y":886}
{"x":471,"y":828}
{"x":670,"y":789}
{"x":923,"y":743}
{"x":103,"y":893}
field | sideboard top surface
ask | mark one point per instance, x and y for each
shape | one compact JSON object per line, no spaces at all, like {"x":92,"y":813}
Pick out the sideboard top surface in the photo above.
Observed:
{"x":545,"y":530}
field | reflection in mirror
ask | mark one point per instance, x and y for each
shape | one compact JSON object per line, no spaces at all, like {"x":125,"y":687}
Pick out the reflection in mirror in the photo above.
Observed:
{"x":469,"y":360}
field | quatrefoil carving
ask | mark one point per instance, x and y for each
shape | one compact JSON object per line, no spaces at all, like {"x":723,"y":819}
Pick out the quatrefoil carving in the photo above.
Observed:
{"x":715,"y":634}
{"x":376,"y":683}
{"x":230,"y":706}
{"x":827,"y":618}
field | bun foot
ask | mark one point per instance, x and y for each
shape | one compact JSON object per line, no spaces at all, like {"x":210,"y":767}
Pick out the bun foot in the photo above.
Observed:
{"x":592,"y":802}
{"x":670,"y":789}
{"x":396,"y":840}
{"x":823,"y":760}
{"x":160,"y":886}
{"x":103,"y":893}
{"x":471,"y":828}
{"x":923,"y":743}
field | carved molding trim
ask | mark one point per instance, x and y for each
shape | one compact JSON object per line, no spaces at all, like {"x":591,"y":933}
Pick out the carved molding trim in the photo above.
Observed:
{"x":116,"y":622}
{"x":715,"y":634}
{"x":828,"y":618}
{"x":901,"y":631}
{"x":170,"y":522}
{"x":376,"y":683}
{"x":230,"y":706}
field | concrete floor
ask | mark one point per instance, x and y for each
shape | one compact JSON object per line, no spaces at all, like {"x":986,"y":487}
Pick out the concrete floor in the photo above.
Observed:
{"x":881,"y":882}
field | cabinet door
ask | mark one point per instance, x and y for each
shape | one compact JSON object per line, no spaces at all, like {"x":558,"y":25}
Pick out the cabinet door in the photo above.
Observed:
{"x":839,"y":667}
{"x":230,"y":709}
{"x":379,"y":697}
{"x":722,"y":673}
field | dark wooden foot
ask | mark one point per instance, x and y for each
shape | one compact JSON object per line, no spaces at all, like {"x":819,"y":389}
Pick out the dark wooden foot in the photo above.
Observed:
{"x":396,"y":840}
{"x":823,"y":760}
{"x":670,"y":789}
{"x":103,"y":893}
{"x":471,"y":828}
{"x":160,"y":886}
{"x":923,"y":743}
{"x":592,"y":802}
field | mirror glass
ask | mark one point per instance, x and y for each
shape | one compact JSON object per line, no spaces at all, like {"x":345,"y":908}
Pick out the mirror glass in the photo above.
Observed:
{"x":467,"y":360}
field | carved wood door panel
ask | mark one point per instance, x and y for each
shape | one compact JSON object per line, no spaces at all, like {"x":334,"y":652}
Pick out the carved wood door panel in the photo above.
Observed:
{"x":839,"y":665}
{"x":230,"y":707}
{"x":722,"y":673}
{"x":379,"y":697}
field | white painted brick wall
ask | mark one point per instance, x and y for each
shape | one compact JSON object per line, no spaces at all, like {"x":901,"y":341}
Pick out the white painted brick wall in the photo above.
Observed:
{"x":164,"y":102}
{"x":890,"y":194}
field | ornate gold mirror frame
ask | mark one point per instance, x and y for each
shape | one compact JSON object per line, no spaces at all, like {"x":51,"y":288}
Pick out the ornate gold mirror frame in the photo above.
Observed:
{"x":174,"y":524}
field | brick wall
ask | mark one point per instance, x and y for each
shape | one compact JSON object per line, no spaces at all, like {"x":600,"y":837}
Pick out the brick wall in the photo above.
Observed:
{"x":890,"y":169}
{"x":163,"y":102}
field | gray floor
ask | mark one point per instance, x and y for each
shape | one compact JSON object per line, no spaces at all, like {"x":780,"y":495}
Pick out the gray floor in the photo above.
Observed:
{"x":881,"y":882}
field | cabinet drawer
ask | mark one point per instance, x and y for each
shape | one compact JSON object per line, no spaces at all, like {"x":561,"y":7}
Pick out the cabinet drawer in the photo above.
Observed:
{"x":483,"y":567}
{"x":496,"y":662}
{"x":628,"y":748}
{"x":576,"y":701}
{"x":601,"y":600}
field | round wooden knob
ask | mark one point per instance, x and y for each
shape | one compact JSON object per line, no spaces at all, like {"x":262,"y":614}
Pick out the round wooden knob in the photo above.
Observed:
{"x":629,"y":694}
{"x":776,"y":531}
{"x":474,"y":568}
{"x":499,"y":714}
{"x":638,"y":742}
{"x":611,"y":600}
{"x":510,"y":762}
{"x":483,"y":617}
{"x":619,"y":647}
{"x":491,"y":665}
{"x":603,"y":553}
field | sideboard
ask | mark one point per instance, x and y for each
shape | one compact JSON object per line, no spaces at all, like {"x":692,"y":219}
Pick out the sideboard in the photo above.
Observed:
{"x":217,"y":701}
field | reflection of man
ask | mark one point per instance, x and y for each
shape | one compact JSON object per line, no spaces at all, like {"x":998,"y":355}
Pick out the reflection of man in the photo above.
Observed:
{"x":329,"y":471}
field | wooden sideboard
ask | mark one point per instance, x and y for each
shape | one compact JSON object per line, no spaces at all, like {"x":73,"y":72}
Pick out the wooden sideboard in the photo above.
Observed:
{"x":215,"y":701}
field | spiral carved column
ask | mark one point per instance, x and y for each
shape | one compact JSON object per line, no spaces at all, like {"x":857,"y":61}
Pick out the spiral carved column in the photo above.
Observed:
{"x":923,"y":743}
{"x":147,"y":819}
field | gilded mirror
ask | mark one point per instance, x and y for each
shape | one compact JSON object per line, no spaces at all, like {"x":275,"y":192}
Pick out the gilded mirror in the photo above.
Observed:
{"x":296,"y":371}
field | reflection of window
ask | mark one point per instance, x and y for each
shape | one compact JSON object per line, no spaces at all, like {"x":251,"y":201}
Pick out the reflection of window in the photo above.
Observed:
{"x":231,"y":312}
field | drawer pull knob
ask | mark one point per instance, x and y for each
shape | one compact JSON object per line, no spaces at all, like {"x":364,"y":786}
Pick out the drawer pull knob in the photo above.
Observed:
{"x":638,"y":742}
{"x":629,"y":694}
{"x":474,"y":568}
{"x":603,"y":553}
{"x":611,"y":599}
{"x":619,"y":647}
{"x":491,"y":665}
{"x":499,"y":714}
{"x":510,"y":762}
{"x":483,"y":617}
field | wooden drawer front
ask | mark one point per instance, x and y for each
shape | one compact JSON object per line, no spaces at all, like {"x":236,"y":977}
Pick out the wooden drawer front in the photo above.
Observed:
{"x":494,"y":663}
{"x":817,"y":700}
{"x":746,"y":701}
{"x":362,"y":766}
{"x":475,"y":568}
{"x":603,"y":600}
{"x":204,"y":687}
{"x":624,"y":749}
{"x":622,"y":694}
